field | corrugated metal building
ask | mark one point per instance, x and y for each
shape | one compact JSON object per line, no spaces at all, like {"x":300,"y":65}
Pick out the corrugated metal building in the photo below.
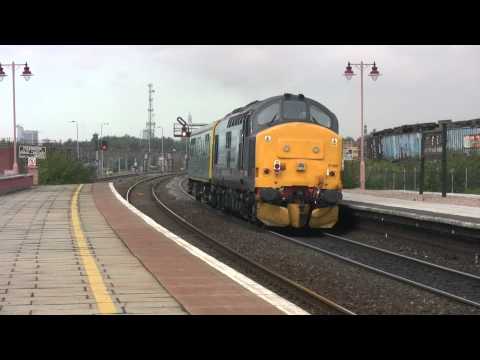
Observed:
{"x":404,"y":142}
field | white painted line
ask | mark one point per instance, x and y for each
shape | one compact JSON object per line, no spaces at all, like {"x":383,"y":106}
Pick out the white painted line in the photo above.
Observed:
{"x":280,"y":303}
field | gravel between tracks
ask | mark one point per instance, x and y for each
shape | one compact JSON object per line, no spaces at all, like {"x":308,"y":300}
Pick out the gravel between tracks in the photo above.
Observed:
{"x":453,"y":283}
{"x":359,"y":290}
{"x":450,"y":252}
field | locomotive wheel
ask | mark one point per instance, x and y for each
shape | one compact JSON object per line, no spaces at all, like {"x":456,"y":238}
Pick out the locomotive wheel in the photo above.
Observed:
{"x":212,"y":198}
{"x":198,"y":195}
{"x":220,"y":200}
{"x":252,"y":216}
{"x":204,"y":195}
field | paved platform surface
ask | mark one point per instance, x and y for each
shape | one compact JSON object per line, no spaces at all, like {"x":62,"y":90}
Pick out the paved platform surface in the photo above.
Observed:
{"x":49,"y":265}
{"x":199,"y":287}
{"x":448,"y":211}
{"x":74,"y":250}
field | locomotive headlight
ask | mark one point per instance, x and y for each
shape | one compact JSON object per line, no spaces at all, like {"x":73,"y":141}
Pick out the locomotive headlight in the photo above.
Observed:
{"x":316,"y":149}
{"x":286,"y":148}
{"x":277,"y":166}
{"x":301,"y":166}
{"x":334,"y":141}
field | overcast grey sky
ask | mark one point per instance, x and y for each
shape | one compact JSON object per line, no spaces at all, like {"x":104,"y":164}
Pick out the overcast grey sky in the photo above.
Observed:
{"x":94,"y":84}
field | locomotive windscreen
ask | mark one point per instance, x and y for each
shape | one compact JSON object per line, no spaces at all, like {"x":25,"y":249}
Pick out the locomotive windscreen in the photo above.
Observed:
{"x":294,"y":110}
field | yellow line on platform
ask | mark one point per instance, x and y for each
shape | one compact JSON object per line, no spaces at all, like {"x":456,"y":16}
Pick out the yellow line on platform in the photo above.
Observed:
{"x":104,"y":301}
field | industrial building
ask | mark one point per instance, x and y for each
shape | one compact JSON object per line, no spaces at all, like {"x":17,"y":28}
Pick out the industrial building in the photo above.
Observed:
{"x":29,"y":137}
{"x":404,"y":142}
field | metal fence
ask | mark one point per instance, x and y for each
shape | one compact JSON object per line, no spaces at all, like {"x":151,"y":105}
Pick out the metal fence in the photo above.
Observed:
{"x":393,"y":158}
{"x":463,"y":175}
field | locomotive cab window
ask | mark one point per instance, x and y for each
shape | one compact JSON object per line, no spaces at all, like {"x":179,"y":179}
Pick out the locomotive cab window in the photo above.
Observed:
{"x":192,"y":147}
{"x":228,"y":140}
{"x":294,"y":110}
{"x":319,"y":117}
{"x":215,"y":156}
{"x":207,"y":143}
{"x":269,"y":114}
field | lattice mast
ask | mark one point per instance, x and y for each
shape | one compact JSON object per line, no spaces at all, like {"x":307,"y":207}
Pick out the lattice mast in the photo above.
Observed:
{"x":150,"y":123}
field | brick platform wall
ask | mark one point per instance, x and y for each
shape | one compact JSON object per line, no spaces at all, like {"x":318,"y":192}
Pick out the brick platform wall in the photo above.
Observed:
{"x":6,"y":159}
{"x":15,"y":183}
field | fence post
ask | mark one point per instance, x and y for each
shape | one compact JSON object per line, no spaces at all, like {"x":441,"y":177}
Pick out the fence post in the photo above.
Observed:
{"x":422,"y":164}
{"x":404,"y":179}
{"x":414,"y":178}
{"x":443,"y":125}
{"x":466,"y":179}
{"x":452,"y":171}
{"x":393,"y":185}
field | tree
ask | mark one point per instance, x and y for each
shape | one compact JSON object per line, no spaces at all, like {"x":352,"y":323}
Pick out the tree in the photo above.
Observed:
{"x":58,"y":169}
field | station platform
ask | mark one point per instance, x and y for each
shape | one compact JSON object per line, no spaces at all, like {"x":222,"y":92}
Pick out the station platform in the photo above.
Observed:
{"x":461,"y":210}
{"x":72,"y":249}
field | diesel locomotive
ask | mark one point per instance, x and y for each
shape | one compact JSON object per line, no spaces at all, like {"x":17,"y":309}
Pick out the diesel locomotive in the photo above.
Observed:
{"x":277,"y":161}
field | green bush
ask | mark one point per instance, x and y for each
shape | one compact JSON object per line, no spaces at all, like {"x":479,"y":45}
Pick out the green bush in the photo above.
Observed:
{"x":59,"y":169}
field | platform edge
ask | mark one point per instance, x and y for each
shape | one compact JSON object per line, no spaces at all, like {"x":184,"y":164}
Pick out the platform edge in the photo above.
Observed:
{"x":272,"y":298}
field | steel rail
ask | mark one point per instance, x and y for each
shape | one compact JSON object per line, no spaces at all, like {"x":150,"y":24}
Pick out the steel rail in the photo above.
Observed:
{"x":379,"y":271}
{"x":290,"y":283}
{"x":145,"y":179}
{"x":423,"y":262}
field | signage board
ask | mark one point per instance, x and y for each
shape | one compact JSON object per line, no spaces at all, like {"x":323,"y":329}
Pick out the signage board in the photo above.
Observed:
{"x":28,"y":151}
{"x":32,"y":162}
{"x":471,"y":141}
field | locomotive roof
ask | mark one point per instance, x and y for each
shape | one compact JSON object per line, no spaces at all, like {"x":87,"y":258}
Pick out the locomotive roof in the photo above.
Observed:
{"x":255,"y":104}
{"x":252,"y":106}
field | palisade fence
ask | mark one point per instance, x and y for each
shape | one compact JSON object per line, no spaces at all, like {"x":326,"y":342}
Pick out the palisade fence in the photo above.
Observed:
{"x":393,"y":158}
{"x":463,"y":175}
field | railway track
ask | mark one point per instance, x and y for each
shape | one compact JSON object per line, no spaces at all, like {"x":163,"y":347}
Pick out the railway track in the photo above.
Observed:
{"x":443,"y":281}
{"x":440,"y":280}
{"x":289,"y":286}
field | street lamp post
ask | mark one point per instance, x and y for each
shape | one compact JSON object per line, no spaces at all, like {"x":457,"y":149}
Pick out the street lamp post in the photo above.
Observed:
{"x":78,"y":146}
{"x":374,"y":74}
{"x":163,"y":154}
{"x":26,"y":75}
{"x":101,"y":136}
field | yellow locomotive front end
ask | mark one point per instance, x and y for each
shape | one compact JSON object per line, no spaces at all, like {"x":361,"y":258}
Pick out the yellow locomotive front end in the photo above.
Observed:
{"x":298,"y":175}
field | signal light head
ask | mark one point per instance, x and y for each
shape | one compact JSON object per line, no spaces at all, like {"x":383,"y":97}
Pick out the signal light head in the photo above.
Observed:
{"x":104,"y":146}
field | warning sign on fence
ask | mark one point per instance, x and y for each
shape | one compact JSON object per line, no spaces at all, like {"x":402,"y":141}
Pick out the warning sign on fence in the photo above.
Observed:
{"x":28,"y":151}
{"x":471,"y":141}
{"x":32,"y":162}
